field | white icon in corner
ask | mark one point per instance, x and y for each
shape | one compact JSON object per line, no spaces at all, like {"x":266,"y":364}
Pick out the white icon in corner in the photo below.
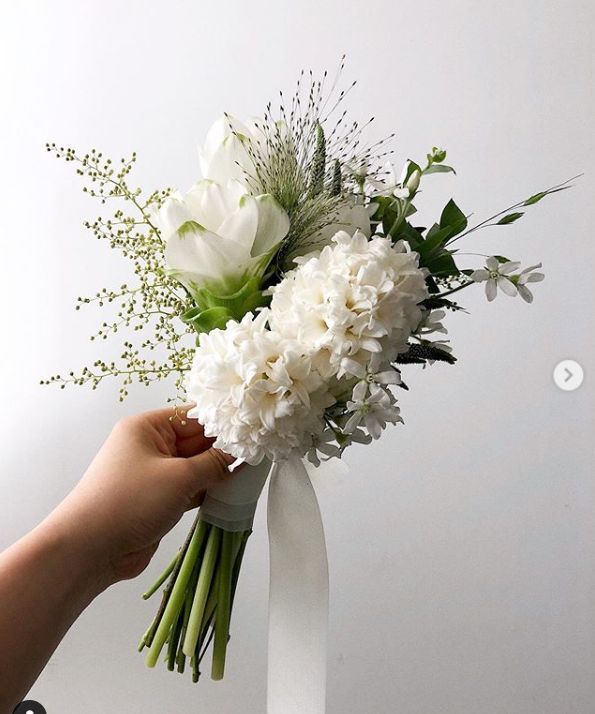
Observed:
{"x":568,"y":375}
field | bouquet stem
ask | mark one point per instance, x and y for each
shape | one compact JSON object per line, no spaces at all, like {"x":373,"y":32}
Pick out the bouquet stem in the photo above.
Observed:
{"x":205,"y":579}
{"x":223,"y":606}
{"x":200,"y":585}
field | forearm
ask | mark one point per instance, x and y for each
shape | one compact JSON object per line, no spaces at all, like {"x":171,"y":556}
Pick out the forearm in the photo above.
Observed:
{"x":46,"y":580}
{"x":147,"y":474}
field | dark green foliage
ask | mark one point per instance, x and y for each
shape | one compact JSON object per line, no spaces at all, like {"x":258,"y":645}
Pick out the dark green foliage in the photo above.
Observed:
{"x":421,"y":353}
{"x":452,"y":217}
{"x":438,"y":303}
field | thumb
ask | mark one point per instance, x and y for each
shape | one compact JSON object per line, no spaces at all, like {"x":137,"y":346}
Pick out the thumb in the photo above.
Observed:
{"x":207,"y":468}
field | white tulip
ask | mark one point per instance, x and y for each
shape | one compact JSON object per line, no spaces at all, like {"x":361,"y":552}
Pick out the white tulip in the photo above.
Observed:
{"x":218,"y":237}
{"x":224,"y":156}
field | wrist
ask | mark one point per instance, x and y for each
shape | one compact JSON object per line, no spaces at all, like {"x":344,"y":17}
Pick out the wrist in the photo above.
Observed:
{"x":72,"y":546}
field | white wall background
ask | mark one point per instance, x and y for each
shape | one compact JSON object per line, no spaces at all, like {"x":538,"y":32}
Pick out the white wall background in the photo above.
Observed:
{"x":461,"y":544}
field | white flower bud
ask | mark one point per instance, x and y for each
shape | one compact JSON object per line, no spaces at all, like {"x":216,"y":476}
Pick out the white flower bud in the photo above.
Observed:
{"x":413,"y":181}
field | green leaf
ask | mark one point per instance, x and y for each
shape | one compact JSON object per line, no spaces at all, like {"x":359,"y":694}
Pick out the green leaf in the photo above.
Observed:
{"x":389,"y":220}
{"x":412,"y":235}
{"x":433,"y":288}
{"x":435,"y":238}
{"x":439,"y":169}
{"x":207,"y":320}
{"x":378,"y":204}
{"x":453,"y":216}
{"x":442,"y":265}
{"x":411,"y":167}
{"x":510,"y":218}
{"x":214,"y":311}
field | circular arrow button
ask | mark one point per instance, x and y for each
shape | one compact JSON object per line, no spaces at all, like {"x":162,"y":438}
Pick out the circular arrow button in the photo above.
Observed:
{"x":568,"y":375}
{"x":30,"y":707}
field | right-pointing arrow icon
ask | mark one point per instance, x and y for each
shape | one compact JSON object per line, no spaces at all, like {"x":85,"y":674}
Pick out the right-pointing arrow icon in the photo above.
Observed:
{"x":568,"y":375}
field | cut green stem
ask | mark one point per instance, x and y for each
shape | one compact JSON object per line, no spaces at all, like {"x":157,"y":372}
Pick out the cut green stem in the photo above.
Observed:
{"x":197,"y":600}
{"x":176,"y":599}
{"x":202,"y":591}
{"x":168,"y":588}
{"x":194,"y":663}
{"x":174,"y":638}
{"x":181,"y":659}
{"x":162,"y":578}
{"x":223,"y":605}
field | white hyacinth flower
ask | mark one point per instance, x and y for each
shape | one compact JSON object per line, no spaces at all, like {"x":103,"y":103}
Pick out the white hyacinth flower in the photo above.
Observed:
{"x":219,"y":237}
{"x":356,"y":299}
{"x":256,"y":392}
{"x":528,"y":275}
{"x":497,"y":276}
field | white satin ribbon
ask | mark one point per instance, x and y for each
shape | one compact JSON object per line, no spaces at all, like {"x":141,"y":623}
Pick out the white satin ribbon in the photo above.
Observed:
{"x":298,"y":598}
{"x":231,"y":504}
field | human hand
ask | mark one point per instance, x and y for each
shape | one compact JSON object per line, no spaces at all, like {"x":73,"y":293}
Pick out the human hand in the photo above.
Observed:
{"x":150,"y":470}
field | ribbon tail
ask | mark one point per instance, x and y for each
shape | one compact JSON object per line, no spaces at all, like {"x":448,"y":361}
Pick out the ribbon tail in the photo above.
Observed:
{"x":299,"y":593}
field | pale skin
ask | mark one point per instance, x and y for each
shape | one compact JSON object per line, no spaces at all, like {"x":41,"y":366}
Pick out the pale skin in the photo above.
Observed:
{"x":148,"y":473}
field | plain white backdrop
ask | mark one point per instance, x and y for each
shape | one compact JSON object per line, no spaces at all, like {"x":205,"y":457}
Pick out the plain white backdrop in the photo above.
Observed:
{"x":460,"y":545}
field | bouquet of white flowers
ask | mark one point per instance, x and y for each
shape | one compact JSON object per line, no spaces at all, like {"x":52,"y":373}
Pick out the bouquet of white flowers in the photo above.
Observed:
{"x":289,"y":290}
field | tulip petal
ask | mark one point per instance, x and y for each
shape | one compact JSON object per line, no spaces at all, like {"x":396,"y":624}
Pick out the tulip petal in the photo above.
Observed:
{"x":211,"y":203}
{"x":273,"y":225}
{"x":223,"y":154}
{"x":171,"y":215}
{"x":241,"y":225}
{"x":220,"y":130}
{"x":196,"y":256}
